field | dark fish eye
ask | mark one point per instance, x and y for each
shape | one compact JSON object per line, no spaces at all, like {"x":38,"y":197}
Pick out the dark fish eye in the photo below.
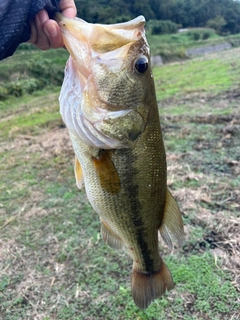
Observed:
{"x":141,"y":64}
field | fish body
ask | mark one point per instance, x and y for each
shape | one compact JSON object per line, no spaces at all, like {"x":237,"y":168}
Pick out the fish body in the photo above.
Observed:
{"x":109,"y":106}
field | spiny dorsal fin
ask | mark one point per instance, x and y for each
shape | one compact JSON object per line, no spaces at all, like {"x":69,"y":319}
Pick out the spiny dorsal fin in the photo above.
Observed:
{"x":110,"y":237}
{"x":172,"y":224}
{"x":78,"y":173}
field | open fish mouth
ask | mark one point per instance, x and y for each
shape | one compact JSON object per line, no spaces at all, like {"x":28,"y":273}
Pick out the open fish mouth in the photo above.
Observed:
{"x":88,"y":101}
{"x":93,"y":45}
{"x":85,"y":41}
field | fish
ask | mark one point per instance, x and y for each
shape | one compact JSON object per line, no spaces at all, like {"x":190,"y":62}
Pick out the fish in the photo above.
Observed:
{"x":108,"y":103}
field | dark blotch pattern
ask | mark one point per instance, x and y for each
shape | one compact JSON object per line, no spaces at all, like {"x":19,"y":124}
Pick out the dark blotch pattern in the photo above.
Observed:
{"x":132,"y":191}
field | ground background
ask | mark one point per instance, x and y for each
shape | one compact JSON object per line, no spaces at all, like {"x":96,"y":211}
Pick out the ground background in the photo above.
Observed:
{"x":53,"y":263}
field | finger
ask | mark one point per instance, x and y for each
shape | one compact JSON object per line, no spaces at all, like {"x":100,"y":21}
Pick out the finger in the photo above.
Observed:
{"x":52,"y":30}
{"x":33,"y":37}
{"x":42,"y":40}
{"x":68,"y":8}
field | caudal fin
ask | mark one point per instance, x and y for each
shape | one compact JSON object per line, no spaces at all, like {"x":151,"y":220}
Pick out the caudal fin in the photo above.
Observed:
{"x":148,"y":286}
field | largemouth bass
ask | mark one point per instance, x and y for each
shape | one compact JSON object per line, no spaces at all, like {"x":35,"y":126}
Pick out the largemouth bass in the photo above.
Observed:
{"x":109,"y":106}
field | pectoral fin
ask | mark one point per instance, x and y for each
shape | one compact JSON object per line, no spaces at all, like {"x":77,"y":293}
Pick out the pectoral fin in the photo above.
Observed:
{"x":78,"y":173}
{"x":172,"y":224}
{"x":107,"y":172}
{"x":110,"y":237}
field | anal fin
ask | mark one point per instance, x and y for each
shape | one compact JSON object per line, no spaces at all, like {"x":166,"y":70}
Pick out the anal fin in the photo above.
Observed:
{"x":110,"y":237}
{"x":172,"y":224}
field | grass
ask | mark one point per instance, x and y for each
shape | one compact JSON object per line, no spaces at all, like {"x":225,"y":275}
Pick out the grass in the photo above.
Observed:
{"x":30,"y":113}
{"x":54,"y":264}
{"x":31,"y":71}
{"x":174,"y":46}
{"x":213,"y":75}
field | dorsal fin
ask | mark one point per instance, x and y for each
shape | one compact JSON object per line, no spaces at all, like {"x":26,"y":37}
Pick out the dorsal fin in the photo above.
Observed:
{"x":172,"y":224}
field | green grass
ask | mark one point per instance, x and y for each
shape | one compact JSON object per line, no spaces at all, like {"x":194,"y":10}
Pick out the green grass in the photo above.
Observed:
{"x":174,"y":46}
{"x":210,"y":294}
{"x":208,"y":75}
{"x":30,"y":71}
{"x":32,"y":113}
{"x":24,"y":122}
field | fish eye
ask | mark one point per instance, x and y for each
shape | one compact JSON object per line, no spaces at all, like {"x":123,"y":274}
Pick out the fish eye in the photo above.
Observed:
{"x":141,"y":64}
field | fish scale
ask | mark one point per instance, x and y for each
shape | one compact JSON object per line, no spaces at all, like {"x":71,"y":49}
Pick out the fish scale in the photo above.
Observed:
{"x":123,"y":166}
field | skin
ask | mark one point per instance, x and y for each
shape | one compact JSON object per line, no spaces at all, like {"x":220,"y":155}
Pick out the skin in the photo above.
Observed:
{"x":45,"y":32}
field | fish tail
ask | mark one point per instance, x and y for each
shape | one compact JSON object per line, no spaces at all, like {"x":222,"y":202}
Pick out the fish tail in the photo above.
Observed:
{"x":148,"y":286}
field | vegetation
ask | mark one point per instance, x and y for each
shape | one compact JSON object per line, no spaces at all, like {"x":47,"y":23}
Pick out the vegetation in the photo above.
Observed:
{"x":31,"y":71}
{"x":222,"y":15}
{"x":162,"y":27}
{"x":54,"y":264}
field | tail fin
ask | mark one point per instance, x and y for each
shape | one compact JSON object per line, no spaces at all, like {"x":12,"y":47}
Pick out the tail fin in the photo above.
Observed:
{"x":148,"y":286}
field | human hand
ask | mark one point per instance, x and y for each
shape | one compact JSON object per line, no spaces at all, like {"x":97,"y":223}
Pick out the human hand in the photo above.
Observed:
{"x":45,"y":32}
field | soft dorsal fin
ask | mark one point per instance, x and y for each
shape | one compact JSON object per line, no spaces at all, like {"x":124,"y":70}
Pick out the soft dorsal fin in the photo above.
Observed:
{"x":172,"y":224}
{"x":78,"y":173}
